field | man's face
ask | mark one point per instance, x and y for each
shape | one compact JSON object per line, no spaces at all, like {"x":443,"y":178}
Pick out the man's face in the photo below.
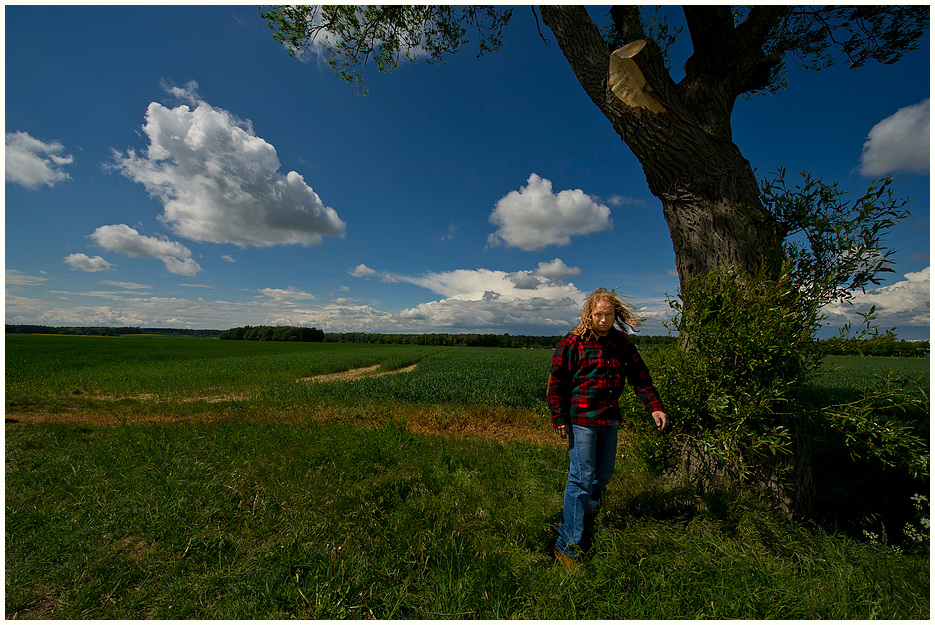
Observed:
{"x":602,"y":316}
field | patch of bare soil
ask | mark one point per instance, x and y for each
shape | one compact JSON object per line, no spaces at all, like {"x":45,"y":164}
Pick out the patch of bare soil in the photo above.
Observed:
{"x":210,"y":399}
{"x":355,"y":374}
{"x":98,"y":419}
{"x":44,"y":607}
{"x":499,"y":425}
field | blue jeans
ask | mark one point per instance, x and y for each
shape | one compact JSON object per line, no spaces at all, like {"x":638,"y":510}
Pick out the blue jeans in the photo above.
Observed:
{"x":591,"y":451}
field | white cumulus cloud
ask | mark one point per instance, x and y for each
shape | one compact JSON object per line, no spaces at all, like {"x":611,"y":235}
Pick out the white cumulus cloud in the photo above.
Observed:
{"x":898,"y":143}
{"x":363,"y":271}
{"x":219,"y":182}
{"x":32,"y":162}
{"x":556,"y":270}
{"x":125,"y":240}
{"x":534,"y":217}
{"x":84,"y":262}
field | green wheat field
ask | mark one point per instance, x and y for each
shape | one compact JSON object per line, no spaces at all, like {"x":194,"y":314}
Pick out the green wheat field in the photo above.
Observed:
{"x":182,"y":478}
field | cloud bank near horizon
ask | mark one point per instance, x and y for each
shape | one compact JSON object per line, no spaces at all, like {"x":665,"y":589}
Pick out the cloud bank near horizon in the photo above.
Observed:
{"x":906,"y":303}
{"x":479,"y":300}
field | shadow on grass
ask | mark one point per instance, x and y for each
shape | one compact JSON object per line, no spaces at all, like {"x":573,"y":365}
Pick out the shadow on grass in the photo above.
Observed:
{"x":862,"y":498}
{"x":549,"y":534}
{"x":858,"y":495}
{"x":858,"y":498}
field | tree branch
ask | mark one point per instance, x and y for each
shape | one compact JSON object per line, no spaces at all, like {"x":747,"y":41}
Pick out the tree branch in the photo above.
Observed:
{"x":547,"y":41}
{"x":728,"y":60}
{"x":711,"y":29}
{"x":760,"y":23}
{"x":584,"y":48}
{"x":627,"y":22}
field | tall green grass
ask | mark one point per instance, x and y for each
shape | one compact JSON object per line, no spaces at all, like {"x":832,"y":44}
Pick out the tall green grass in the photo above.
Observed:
{"x":489,"y":376}
{"x":259,"y":516}
{"x":55,"y":371}
{"x":52,"y":368}
{"x":847,"y":373}
{"x":251,"y":520}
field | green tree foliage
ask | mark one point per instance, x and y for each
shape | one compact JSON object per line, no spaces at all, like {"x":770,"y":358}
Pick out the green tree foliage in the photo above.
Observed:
{"x":735,"y":412}
{"x":351,"y":36}
{"x":107,"y":331}
{"x":882,"y":345}
{"x":835,"y":246}
{"x":477,"y":340}
{"x":808,"y":34}
{"x":273,"y":333}
{"x":459,"y":340}
{"x":737,"y":388}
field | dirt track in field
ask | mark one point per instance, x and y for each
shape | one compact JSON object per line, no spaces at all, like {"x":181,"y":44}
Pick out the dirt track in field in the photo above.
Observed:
{"x":356,"y":374}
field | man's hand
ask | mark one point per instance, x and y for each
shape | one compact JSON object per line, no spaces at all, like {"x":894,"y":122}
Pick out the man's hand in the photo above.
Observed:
{"x":660,"y":418}
{"x":562,"y":431}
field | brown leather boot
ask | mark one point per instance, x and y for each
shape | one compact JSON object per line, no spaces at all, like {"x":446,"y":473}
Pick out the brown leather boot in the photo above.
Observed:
{"x":569,"y":563}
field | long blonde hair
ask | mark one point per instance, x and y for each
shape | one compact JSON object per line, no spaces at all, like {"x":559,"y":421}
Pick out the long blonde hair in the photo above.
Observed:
{"x":624,"y":312}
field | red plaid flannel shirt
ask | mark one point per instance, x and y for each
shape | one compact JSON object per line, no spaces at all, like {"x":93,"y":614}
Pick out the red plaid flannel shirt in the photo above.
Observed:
{"x":588,"y":376}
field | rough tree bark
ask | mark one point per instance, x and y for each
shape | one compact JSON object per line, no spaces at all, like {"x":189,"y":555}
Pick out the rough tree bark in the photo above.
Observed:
{"x":681,"y":133}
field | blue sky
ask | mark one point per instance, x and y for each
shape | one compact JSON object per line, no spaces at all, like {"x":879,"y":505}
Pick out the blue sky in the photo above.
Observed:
{"x":155,"y":157}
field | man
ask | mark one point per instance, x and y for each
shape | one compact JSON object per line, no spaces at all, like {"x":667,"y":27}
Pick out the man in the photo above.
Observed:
{"x":589,"y":369}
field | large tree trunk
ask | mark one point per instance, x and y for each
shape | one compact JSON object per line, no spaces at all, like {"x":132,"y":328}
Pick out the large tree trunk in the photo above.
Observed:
{"x":681,"y":136}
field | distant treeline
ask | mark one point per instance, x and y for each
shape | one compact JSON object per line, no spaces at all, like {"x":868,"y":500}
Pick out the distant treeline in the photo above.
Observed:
{"x":875,"y":347}
{"x":471,"y":340}
{"x":883,"y":346}
{"x":273,"y":333}
{"x":104,"y":331}
{"x":464,"y":340}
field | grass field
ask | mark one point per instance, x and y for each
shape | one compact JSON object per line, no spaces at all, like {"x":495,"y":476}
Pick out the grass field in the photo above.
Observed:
{"x":190,"y":478}
{"x":855,"y":372}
